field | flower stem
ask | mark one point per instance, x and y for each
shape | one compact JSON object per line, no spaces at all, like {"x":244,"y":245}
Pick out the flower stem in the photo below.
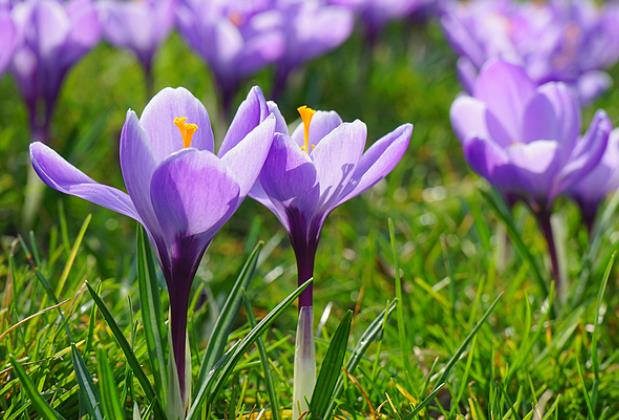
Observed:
{"x":304,"y":363}
{"x":543,"y":220}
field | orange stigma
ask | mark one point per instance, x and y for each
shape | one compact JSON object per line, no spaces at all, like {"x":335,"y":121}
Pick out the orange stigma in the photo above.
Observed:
{"x":187,"y":130}
{"x":306,"y":114}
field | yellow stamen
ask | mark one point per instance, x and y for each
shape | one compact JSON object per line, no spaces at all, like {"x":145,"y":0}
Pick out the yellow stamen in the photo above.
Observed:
{"x":306,"y":114}
{"x":187,"y":130}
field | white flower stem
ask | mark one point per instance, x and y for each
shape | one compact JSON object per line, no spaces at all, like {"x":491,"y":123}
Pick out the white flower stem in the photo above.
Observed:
{"x":304,"y":363}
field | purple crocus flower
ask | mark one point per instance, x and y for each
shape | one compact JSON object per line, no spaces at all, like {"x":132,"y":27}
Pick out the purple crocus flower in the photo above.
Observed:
{"x":305,"y":177}
{"x":236,"y":39}
{"x":178,"y":188}
{"x":525,"y":140}
{"x":8,"y":39}
{"x":601,"y":181}
{"x":554,"y":41}
{"x":140,"y":27}
{"x":311,"y":28}
{"x":53,"y":37}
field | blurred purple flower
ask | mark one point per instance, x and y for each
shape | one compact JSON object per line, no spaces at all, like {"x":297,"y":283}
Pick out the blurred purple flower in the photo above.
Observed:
{"x":554,"y":41}
{"x":8,"y":39}
{"x":236,"y":38}
{"x":178,"y":188}
{"x":140,"y":27}
{"x":601,"y":181}
{"x":525,"y":140}
{"x":305,"y":177}
{"x":53,"y":37}
{"x":310,"y":29}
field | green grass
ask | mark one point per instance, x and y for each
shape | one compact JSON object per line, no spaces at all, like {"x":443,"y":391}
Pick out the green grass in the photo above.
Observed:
{"x":447,"y":258}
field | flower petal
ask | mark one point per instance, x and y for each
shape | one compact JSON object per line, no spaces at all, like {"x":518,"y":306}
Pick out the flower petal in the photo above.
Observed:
{"x":537,"y":165}
{"x":192,"y":196}
{"x":244,"y":162}
{"x":379,"y":160}
{"x":505,"y":89}
{"x":8,"y":39}
{"x":252,"y":111}
{"x":490,"y":161}
{"x":335,"y":159}
{"x":468,"y":118}
{"x":64,"y":177}
{"x":158,"y":122}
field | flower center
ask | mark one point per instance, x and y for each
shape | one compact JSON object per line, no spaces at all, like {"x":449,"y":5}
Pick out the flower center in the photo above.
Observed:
{"x":235,"y":18}
{"x":306,"y":114}
{"x":187,"y":130}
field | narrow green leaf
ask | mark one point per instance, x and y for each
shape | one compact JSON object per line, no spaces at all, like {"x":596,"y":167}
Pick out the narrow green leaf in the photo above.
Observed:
{"x":72,"y":255}
{"x":126,"y":348}
{"x":331,"y":369}
{"x":368,"y":336}
{"x":110,"y":401}
{"x":221,"y":329}
{"x":220,"y":372}
{"x":264,"y":359}
{"x":454,"y":359}
{"x":87,"y":387}
{"x":151,"y":311}
{"x":504,"y":214}
{"x":42,"y":407}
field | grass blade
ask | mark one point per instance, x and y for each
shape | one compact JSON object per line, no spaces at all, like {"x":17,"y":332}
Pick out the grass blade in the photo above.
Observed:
{"x":368,"y":336}
{"x":331,"y":369}
{"x":264,"y":359}
{"x":87,"y":387}
{"x":110,"y":401}
{"x":221,"y":330}
{"x":42,"y":407}
{"x":151,"y":311}
{"x":72,"y":255}
{"x":126,"y":348}
{"x":226,"y":365}
{"x":454,"y":359}
{"x":504,"y":214}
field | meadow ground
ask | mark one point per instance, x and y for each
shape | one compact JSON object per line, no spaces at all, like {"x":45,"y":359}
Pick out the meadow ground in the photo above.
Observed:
{"x":532,"y":358}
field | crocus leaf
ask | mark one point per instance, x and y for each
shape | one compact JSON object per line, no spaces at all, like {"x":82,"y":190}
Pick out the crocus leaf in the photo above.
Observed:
{"x":42,"y":407}
{"x":331,"y":369}
{"x":110,"y":401}
{"x":368,"y":336}
{"x":126,"y":348}
{"x":221,"y":329}
{"x":87,"y":386}
{"x":503,"y":213}
{"x":151,"y":311}
{"x":220,"y":372}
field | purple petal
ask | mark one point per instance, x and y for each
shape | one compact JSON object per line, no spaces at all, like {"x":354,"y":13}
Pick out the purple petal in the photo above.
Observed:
{"x":587,"y":153}
{"x":64,"y":177}
{"x":379,"y":160}
{"x":505,"y":89}
{"x":246,"y":159}
{"x":8,"y":39}
{"x":252,"y":111}
{"x":490,"y":161}
{"x":537,"y":164}
{"x":158,"y":122}
{"x":288,"y":178}
{"x":280,"y":122}
{"x":323,"y":122}
{"x":467,"y":74}
{"x":138,"y":165}
{"x":193,"y":196}
{"x":592,"y":84}
{"x":468,"y":118}
{"x":335,"y":159}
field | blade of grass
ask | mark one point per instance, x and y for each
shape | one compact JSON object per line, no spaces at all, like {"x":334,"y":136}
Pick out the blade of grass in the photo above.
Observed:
{"x":264,"y":359}
{"x":595,"y":363}
{"x":129,"y":355}
{"x":151,"y":311}
{"x":221,"y":330}
{"x":38,"y":402}
{"x":72,"y":255}
{"x":217,"y":376}
{"x":404,"y":348}
{"x":87,"y":387}
{"x":368,"y":336}
{"x":112,"y":407}
{"x":331,"y":369}
{"x":504,"y":214}
{"x":454,"y":359}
